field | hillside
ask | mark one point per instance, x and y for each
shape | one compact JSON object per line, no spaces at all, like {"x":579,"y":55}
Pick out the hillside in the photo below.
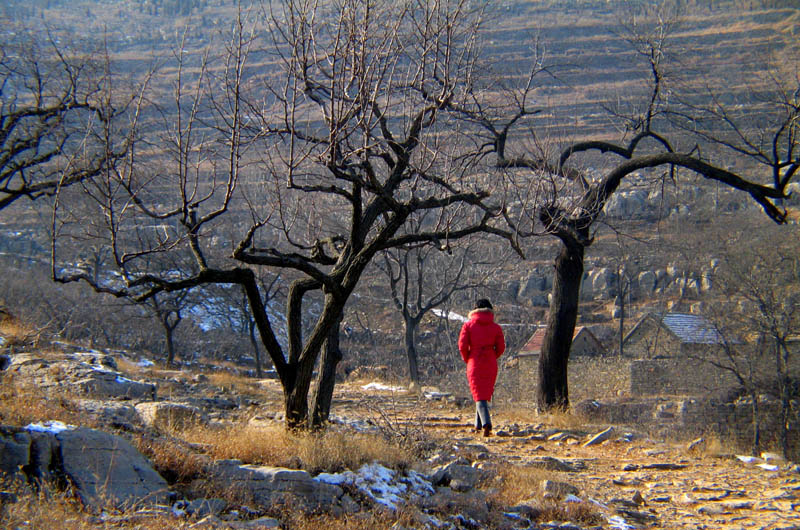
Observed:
{"x":535,"y":473}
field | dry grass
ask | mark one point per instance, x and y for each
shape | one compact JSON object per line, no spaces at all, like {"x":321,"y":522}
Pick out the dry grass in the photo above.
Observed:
{"x":45,"y":509}
{"x":507,"y":414}
{"x":229,"y":381}
{"x":16,"y":332}
{"x":362,"y":521}
{"x":172,"y":458}
{"x":330,"y":451}
{"x":574,"y":512}
{"x":520,"y":483}
{"x":51,"y":509}
{"x":22,"y":404}
{"x":524,"y":484}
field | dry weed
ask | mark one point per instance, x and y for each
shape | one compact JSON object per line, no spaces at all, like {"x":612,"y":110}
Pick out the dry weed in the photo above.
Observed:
{"x":22,"y":404}
{"x":17,"y":333}
{"x":230,"y":381}
{"x":172,"y":458}
{"x":329,"y":451}
{"x":42,"y":509}
{"x":574,"y":512}
{"x":520,"y":483}
{"x":559,"y":419}
{"x":361,"y":521}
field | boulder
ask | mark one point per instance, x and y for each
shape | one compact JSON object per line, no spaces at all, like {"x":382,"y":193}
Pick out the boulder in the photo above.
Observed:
{"x":106,"y":469}
{"x":647,"y":282}
{"x":15,"y":447}
{"x":459,"y":477}
{"x":265,"y":485}
{"x":168,"y":415}
{"x":113,"y":413}
{"x":85,"y":373}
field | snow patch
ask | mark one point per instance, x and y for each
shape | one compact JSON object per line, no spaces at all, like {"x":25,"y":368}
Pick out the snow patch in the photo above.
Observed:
{"x":51,"y":426}
{"x":145,"y":363}
{"x":449,"y":315}
{"x":383,"y":485}
{"x":618,"y":523}
{"x":381,"y":386}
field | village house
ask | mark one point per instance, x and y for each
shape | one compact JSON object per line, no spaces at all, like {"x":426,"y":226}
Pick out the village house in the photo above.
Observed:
{"x":661,"y":335}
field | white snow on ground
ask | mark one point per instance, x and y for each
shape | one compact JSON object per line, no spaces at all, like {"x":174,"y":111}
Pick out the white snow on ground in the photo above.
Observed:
{"x":449,"y":315}
{"x":618,"y":523}
{"x":383,"y":485}
{"x":145,"y":363}
{"x":381,"y":386}
{"x":54,"y":427}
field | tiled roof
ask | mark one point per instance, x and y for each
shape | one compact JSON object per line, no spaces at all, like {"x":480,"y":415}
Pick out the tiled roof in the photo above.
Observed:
{"x":692,"y":329}
{"x":534,"y":344}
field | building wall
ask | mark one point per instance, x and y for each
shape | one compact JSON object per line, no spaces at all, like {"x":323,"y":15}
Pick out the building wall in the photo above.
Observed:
{"x":650,"y":340}
{"x":681,"y":377}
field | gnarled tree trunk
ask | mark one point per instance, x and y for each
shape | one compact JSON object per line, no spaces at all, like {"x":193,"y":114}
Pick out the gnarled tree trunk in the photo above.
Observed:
{"x":552,"y":390}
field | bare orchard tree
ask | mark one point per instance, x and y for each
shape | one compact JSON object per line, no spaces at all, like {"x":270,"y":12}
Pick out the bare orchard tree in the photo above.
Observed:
{"x":574,"y":197}
{"x":759,"y":280}
{"x":327,"y":153}
{"x":55,"y":109}
{"x":423,"y":278}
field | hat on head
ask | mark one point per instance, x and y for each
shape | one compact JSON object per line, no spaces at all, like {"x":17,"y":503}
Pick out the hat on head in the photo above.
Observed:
{"x":483,"y":303}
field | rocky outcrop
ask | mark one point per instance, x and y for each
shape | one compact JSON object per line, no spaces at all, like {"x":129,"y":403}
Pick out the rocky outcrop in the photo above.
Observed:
{"x":166,"y":415}
{"x":104,"y":469}
{"x":265,"y":486}
{"x":91,"y":374}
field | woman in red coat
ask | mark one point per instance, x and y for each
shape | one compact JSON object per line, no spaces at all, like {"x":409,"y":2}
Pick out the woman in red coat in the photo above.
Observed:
{"x":481,"y":342}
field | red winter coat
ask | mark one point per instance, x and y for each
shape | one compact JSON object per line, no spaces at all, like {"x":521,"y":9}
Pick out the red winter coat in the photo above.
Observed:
{"x":481,"y":342}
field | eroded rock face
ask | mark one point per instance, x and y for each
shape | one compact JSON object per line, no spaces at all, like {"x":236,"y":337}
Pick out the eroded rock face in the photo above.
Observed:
{"x":90,"y":375}
{"x":168,"y":415}
{"x":265,"y":485}
{"x":104,"y":468}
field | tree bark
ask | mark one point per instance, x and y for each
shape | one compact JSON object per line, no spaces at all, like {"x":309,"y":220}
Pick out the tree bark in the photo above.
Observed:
{"x":326,"y":379}
{"x":251,"y":327}
{"x":411,"y":349}
{"x":552,"y":391}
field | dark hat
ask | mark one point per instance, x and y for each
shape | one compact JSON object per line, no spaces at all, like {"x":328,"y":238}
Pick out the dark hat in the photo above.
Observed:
{"x":483,"y":303}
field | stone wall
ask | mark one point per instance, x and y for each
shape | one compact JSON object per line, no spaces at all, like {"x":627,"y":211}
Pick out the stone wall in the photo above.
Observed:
{"x":688,"y":418}
{"x":673,"y":376}
{"x":589,"y":378}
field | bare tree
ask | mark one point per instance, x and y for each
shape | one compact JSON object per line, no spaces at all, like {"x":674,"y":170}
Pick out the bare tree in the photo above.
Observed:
{"x":55,"y":109}
{"x":759,"y":281}
{"x":329,"y":156}
{"x":423,"y":278}
{"x":571,"y":198}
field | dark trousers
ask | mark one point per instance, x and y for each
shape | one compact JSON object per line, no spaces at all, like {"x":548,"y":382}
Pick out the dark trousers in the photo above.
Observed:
{"x":482,"y":418}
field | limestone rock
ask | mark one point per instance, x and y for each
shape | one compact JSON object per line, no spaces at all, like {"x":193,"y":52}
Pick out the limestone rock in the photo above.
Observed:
{"x":105,"y":468}
{"x":267,"y":485}
{"x":459,"y":477}
{"x":95,"y":378}
{"x":599,"y":437}
{"x":554,"y":488}
{"x":168,"y":415}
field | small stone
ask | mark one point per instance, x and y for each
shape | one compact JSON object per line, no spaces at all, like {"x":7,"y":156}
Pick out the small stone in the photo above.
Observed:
{"x":772,"y":458}
{"x":711,"y":509}
{"x":600,"y":437}
{"x":638,"y":499}
{"x":558,"y":489}
{"x":694,"y":444}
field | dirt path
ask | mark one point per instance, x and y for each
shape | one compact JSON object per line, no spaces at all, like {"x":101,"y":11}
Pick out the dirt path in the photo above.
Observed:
{"x":649,"y":483}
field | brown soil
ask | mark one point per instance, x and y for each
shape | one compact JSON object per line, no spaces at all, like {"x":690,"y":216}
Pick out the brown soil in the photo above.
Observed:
{"x":651,"y":483}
